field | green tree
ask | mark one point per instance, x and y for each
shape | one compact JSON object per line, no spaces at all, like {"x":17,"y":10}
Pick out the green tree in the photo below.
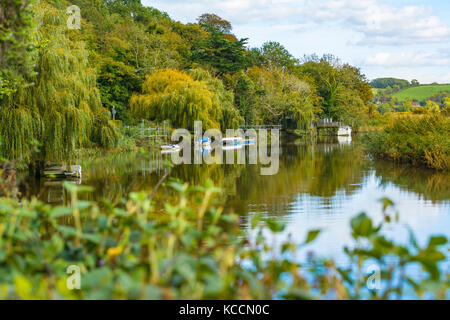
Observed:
{"x":407,"y":105}
{"x":219,"y":53}
{"x":447,"y":102}
{"x":282,"y":97}
{"x":383,"y":83}
{"x":177,"y":96}
{"x":116,"y":82}
{"x":16,"y":45}
{"x":230,"y":118}
{"x":432,"y":106}
{"x":274,"y":55}
{"x":344,"y":90}
{"x":62,"y":109}
{"x":210,"y":20}
{"x":246,"y":96}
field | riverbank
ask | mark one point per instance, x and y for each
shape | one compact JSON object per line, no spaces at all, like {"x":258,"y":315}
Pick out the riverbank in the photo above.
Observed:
{"x":417,"y":140}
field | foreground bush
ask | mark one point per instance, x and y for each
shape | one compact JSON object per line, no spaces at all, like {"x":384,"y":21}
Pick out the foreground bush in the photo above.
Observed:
{"x":418,"y":140}
{"x":192,"y":250}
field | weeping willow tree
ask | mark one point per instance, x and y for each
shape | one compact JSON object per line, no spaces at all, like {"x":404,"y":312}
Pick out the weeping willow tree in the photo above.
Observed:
{"x":184,"y":98}
{"x":282,"y":97}
{"x":230,"y":118}
{"x":61,"y":110}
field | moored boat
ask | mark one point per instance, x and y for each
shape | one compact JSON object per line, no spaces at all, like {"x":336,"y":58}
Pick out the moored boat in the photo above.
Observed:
{"x":232,"y":141}
{"x":248,"y":142}
{"x":63,"y":171}
{"x":232,"y":147}
{"x":344,"y":131}
{"x":169,"y":148}
{"x":203,"y":142}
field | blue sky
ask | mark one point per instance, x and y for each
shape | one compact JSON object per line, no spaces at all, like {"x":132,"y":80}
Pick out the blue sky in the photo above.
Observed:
{"x":408,"y":39}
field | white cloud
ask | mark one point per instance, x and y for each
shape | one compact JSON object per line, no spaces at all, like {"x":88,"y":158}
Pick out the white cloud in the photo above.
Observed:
{"x":409,"y":59}
{"x":354,"y":30}
{"x":380,"y":23}
{"x":376,"y":22}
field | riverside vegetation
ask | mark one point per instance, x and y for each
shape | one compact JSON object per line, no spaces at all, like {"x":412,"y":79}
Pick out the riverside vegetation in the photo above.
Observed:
{"x":418,"y":140}
{"x":194,"y":250}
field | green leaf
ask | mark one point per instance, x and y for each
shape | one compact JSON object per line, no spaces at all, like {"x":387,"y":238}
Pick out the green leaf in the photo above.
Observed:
{"x":27,"y":213}
{"x":362,"y":226}
{"x":60,"y":212}
{"x":255,"y":220}
{"x":153,"y":292}
{"x":181,"y":188}
{"x":70,"y":231}
{"x":312,"y":235}
{"x":95,"y":238}
{"x":276,"y":226}
{"x":437,"y":241}
{"x":82,"y":205}
{"x":387,"y":203}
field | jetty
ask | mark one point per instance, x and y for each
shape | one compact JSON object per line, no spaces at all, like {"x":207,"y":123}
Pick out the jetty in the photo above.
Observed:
{"x":332,"y":128}
{"x":158,"y":132}
{"x":62,"y":171}
{"x":264,"y":127}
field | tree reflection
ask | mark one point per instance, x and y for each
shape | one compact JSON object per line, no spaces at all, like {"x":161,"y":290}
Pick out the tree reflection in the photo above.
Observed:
{"x":430,"y":184}
{"x":325,"y":171}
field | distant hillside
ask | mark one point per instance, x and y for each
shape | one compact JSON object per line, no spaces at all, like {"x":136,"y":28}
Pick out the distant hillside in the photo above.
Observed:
{"x":421,"y":93}
{"x":383,"y":83}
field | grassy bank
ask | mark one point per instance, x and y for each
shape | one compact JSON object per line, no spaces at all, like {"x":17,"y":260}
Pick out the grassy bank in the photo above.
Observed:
{"x":417,"y":140}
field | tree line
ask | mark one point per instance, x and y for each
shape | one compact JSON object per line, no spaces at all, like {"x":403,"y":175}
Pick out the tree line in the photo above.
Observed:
{"x":393,"y":83}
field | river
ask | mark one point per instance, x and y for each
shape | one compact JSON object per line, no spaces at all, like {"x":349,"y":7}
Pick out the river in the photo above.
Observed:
{"x":319,"y":185}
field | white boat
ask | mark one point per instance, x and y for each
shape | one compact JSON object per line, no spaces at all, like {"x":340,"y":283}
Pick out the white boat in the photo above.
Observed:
{"x":204,"y":142}
{"x":345,"y":131}
{"x":169,"y":148}
{"x":203,"y":149}
{"x":232,"y":147}
{"x":233,"y":141}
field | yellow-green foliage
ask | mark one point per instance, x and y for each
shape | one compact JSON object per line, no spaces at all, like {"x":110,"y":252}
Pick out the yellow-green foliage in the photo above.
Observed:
{"x":230,"y":118}
{"x":419,"y":140}
{"x":62,"y":109}
{"x":281,"y":95}
{"x":181,"y":98}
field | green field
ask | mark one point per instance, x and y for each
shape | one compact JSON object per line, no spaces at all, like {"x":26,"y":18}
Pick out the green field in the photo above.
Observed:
{"x":421,"y":93}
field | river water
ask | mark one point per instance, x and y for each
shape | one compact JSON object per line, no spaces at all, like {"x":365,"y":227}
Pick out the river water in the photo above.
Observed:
{"x":319,"y":185}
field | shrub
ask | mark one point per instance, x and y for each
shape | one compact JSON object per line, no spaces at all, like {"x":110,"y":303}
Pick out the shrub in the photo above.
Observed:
{"x":418,"y":140}
{"x":192,"y":251}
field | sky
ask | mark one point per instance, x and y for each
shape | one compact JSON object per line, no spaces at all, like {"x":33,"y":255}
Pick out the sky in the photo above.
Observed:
{"x":408,"y":39}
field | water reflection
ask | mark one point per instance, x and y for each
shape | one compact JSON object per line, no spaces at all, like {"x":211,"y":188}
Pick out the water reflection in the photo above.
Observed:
{"x":320,"y":170}
{"x":428,"y":184}
{"x":320,"y":184}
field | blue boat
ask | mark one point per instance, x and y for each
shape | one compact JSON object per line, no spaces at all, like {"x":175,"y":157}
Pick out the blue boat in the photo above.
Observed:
{"x":203,"y":142}
{"x":248,"y":142}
